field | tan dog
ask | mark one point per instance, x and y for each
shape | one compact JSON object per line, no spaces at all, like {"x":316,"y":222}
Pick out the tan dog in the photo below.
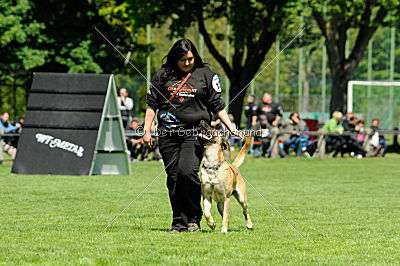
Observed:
{"x":220,"y":180}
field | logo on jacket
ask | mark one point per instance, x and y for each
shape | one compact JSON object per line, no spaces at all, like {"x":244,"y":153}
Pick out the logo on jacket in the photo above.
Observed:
{"x":215,"y":83}
{"x":167,"y":119}
{"x":266,"y":108}
{"x":186,"y":90}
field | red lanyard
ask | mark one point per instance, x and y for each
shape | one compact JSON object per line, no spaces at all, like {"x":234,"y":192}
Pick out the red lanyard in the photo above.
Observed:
{"x":180,"y":86}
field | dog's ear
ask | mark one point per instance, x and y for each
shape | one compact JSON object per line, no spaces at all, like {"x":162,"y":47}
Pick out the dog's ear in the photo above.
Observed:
{"x":206,"y":129}
{"x":225,"y":145}
{"x":205,"y":125}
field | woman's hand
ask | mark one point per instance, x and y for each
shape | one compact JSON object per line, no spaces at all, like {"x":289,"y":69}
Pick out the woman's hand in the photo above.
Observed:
{"x":147,"y":139}
{"x":238,"y":133}
{"x":223,"y":116}
{"x":148,"y":120}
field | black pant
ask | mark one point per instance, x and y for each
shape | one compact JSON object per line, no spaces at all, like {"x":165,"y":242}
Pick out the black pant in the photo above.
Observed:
{"x":334,"y":143}
{"x":355,"y":145}
{"x":182,"y":156}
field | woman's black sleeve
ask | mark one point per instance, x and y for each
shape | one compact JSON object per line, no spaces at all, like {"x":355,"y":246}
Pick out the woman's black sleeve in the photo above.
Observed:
{"x":215,"y":100}
{"x":153,"y":95}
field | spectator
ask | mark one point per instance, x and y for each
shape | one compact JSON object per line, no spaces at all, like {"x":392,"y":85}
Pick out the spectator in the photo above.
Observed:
{"x":334,"y":143}
{"x":125,"y":106}
{"x":268,"y":113}
{"x":20,"y":121}
{"x":381,"y":140}
{"x":352,"y":145}
{"x":135,"y":143}
{"x":360,"y":128}
{"x":345,"y":121}
{"x":349,"y":122}
{"x":10,"y":143}
{"x":6,"y":126}
{"x":296,"y":140}
{"x":250,"y":111}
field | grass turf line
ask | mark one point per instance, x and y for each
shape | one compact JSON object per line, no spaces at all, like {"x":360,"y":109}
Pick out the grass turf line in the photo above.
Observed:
{"x":348,"y":209}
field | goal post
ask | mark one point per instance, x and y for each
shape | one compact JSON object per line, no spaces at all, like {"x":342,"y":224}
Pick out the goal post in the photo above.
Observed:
{"x":365,"y":83}
{"x":377,"y":103}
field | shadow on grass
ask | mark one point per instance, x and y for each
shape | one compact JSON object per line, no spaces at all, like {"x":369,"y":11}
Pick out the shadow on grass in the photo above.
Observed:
{"x":202,"y":231}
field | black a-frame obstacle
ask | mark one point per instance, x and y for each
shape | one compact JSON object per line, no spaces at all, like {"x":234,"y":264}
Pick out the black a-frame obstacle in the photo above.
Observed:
{"x":72,"y":127}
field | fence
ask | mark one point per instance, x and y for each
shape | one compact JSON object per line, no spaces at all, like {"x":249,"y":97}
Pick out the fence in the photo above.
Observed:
{"x":274,"y":136}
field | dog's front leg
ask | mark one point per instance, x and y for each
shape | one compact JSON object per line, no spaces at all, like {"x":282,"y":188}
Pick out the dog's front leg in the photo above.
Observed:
{"x":207,"y":212}
{"x":227,"y":204}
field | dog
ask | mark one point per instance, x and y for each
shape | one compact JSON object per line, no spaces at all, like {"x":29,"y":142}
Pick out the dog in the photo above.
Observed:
{"x":220,"y":179}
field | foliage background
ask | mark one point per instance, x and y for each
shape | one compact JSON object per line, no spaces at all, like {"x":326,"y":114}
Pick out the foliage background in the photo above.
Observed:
{"x":33,"y":39}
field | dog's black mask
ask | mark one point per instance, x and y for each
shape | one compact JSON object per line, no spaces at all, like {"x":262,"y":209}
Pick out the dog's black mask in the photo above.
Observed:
{"x":207,"y":134}
{"x":211,"y":136}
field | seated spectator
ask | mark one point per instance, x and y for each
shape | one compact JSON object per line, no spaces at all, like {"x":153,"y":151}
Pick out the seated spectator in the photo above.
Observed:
{"x":19,"y":122}
{"x":296,"y":139}
{"x":10,"y":143}
{"x":266,"y":116}
{"x":262,"y":140}
{"x":334,"y":143}
{"x":352,"y":145}
{"x":137,"y":147}
{"x":360,"y":128}
{"x":6,"y":126}
{"x":135,"y":143}
{"x":381,"y":148}
{"x":346,"y":119}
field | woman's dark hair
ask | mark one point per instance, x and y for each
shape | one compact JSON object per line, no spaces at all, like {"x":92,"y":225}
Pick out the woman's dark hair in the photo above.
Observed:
{"x":294,"y":113}
{"x":179,"y":49}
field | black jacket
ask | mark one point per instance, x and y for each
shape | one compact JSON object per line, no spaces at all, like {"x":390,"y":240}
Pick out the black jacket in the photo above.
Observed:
{"x":197,"y":99}
{"x":268,"y":111}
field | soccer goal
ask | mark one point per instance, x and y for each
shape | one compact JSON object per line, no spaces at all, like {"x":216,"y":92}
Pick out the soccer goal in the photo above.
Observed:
{"x":376,"y":99}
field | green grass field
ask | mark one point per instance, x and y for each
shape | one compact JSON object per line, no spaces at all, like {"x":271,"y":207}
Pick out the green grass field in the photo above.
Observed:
{"x":347,"y":210}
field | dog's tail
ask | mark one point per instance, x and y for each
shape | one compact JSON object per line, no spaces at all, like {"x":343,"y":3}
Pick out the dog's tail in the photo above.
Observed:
{"x":240,"y":158}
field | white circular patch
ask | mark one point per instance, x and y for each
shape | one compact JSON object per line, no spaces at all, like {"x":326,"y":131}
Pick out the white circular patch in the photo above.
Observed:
{"x":215,"y":83}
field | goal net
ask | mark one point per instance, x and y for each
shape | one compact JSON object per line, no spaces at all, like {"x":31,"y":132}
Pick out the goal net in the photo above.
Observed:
{"x":375,"y":99}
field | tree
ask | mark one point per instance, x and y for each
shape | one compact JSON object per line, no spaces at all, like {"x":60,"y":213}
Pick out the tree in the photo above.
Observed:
{"x":17,"y":52}
{"x":54,"y":36}
{"x":255,"y":25}
{"x":335,"y":19}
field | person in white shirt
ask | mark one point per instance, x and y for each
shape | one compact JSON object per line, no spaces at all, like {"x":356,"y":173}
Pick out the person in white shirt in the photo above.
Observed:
{"x":125,"y":106}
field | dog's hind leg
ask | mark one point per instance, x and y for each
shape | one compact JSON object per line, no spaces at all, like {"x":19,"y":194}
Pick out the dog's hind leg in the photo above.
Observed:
{"x":240,"y":195}
{"x":227,"y":203}
{"x":207,"y":212}
{"x":220,"y":206}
